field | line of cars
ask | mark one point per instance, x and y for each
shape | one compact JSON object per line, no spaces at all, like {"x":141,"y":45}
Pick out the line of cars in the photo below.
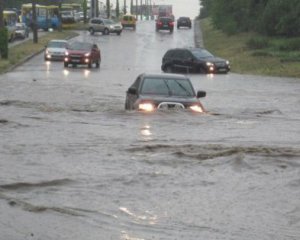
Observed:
{"x":73,"y":53}
{"x":167,"y":23}
{"x":150,"y":92}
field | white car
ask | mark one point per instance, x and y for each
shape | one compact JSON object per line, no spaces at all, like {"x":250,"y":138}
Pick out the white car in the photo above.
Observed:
{"x":55,"y":50}
{"x":22,"y":31}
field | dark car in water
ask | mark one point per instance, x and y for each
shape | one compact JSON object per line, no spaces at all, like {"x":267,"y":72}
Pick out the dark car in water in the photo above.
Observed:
{"x":184,"y":22}
{"x":164,"y":23}
{"x":193,"y":60}
{"x":82,"y":53}
{"x":151,"y":92}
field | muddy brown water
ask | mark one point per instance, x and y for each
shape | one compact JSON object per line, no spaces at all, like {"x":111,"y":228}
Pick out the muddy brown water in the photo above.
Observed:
{"x":75,"y":165}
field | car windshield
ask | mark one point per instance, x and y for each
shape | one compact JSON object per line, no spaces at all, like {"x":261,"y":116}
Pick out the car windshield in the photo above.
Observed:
{"x":108,"y":21}
{"x":20,"y":27}
{"x":167,"y":87}
{"x":57,"y":44}
{"x":80,"y":46}
{"x":201,"y":53}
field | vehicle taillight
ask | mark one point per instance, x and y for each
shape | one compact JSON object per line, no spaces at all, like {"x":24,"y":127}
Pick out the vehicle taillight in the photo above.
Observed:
{"x":171,"y":24}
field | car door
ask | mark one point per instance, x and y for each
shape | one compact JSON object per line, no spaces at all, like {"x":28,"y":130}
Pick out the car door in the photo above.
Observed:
{"x":178,"y":60}
{"x":187,"y":61}
{"x":100,"y":25}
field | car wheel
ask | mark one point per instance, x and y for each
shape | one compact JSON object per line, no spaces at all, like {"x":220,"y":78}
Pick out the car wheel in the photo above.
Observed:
{"x":97,"y":64}
{"x":92,"y":31}
{"x":118,"y":33}
{"x":106,"y":31}
{"x":171,"y":30}
{"x":168,"y":69}
{"x":90,"y":65}
{"x":66,"y":64}
{"x":202,"y":70}
{"x":127,"y":105}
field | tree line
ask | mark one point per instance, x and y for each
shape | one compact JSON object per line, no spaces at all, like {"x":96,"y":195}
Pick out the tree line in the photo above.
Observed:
{"x":268,"y":17}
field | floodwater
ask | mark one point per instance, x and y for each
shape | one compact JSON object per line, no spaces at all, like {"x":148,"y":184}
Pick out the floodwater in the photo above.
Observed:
{"x":75,"y":165}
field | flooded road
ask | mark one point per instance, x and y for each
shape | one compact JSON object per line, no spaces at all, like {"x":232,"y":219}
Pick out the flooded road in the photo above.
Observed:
{"x":75,"y":165}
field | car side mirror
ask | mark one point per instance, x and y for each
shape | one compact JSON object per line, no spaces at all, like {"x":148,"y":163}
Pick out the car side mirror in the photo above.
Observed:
{"x":132,"y":90}
{"x":201,"y":94}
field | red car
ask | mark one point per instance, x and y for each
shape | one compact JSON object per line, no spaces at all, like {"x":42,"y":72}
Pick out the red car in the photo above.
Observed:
{"x":82,"y":53}
{"x":165,"y":23}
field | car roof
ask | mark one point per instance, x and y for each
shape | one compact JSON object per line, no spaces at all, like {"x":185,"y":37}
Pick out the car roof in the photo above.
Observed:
{"x":58,"y":40}
{"x":164,"y":75}
{"x":187,"y":48}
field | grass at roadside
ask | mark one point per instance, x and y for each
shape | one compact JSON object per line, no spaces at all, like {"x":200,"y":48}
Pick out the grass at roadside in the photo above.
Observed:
{"x":250,"y":53}
{"x":18,"y":53}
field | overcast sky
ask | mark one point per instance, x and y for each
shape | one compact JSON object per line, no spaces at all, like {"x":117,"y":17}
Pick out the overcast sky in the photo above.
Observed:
{"x":189,"y":8}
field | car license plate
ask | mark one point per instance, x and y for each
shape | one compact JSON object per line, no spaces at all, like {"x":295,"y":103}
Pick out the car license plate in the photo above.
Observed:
{"x":165,"y":25}
{"x":75,"y":60}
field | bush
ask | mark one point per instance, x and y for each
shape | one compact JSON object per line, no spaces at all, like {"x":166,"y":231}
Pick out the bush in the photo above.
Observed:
{"x":258,"y":43}
{"x":290,"y":45}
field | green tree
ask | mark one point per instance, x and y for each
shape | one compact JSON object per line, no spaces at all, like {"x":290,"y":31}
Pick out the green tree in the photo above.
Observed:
{"x":281,"y":18}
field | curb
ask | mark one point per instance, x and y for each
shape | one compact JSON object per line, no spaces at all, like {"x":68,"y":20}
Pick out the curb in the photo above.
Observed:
{"x":198,"y":34}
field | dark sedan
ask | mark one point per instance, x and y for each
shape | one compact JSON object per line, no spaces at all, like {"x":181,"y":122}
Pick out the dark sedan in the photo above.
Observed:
{"x":152,"y":92}
{"x":193,"y":60}
{"x":184,"y":22}
{"x":82,"y":53}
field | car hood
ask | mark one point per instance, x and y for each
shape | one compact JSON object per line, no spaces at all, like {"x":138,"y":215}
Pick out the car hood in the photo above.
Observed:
{"x":159,"y":99}
{"x":115,"y":25}
{"x":20,"y":30}
{"x":56,"y":49}
{"x":78,"y":52}
{"x":213,"y":59}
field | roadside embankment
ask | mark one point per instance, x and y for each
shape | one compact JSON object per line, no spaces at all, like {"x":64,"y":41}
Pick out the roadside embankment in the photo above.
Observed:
{"x":250,"y":53}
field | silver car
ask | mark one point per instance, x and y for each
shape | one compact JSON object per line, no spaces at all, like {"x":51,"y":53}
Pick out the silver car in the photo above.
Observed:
{"x":105,"y":26}
{"x":22,"y":31}
{"x":55,"y":49}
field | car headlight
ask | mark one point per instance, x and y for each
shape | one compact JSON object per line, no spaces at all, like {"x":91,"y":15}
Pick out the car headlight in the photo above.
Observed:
{"x":196,"y":108}
{"x":87,"y":54}
{"x":67,"y":53}
{"x":209,"y":64}
{"x":227,"y":62}
{"x":146,"y":106}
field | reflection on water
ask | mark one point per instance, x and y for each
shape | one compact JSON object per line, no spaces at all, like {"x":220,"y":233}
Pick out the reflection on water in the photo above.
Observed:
{"x":146,"y":132}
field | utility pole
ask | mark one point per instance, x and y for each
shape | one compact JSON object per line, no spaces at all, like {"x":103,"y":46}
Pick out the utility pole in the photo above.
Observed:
{"x":34,"y":22}
{"x":59,"y":16}
{"x":136,"y":9}
{"x":108,"y":8}
{"x":141,"y":9}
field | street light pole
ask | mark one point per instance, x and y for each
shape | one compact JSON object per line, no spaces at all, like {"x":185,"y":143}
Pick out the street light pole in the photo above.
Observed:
{"x":34,"y":22}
